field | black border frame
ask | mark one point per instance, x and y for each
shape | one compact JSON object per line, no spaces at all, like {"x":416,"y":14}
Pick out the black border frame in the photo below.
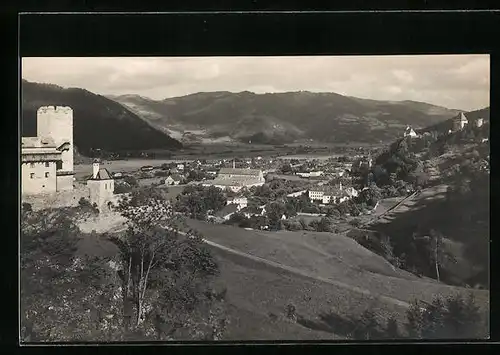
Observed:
{"x":222,"y":33}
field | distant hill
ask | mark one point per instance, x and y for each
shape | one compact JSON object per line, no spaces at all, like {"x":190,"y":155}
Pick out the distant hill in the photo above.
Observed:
{"x":283,"y":117}
{"x":472,"y":116}
{"x":98,"y":121}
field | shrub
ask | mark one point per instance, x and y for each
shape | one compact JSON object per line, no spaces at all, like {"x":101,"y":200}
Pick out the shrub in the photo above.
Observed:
{"x":453,"y":318}
{"x":355,"y":222}
{"x":26,"y":207}
{"x":291,"y":312}
{"x":83,"y":202}
{"x":122,"y":188}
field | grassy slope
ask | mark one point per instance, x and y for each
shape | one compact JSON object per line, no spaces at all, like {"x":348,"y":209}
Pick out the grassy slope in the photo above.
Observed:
{"x":333,"y":256}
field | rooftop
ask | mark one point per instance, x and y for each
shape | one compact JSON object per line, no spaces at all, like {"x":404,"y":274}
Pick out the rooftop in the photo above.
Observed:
{"x":176,"y":177}
{"x":102,"y":174}
{"x":37,"y":142}
{"x":234,"y":181}
{"x":461,"y":117}
{"x":228,"y":209}
{"x":240,"y":171}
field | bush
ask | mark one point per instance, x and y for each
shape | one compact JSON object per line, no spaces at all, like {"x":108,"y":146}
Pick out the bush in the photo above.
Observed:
{"x":453,"y":318}
{"x":291,"y":312}
{"x":26,"y":207}
{"x":355,"y":222}
{"x":161,"y":173}
{"x":83,"y":202}
{"x":122,"y":188}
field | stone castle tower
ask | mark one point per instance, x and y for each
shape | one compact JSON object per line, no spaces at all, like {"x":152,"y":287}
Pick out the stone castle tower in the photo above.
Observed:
{"x":57,"y":122}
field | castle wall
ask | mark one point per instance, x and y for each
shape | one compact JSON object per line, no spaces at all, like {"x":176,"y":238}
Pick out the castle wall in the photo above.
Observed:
{"x":64,"y":182}
{"x":57,"y":199}
{"x":57,"y":122}
{"x":34,"y":180}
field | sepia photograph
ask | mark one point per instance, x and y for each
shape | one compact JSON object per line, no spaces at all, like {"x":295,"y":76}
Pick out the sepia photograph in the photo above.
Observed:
{"x":254,"y":198}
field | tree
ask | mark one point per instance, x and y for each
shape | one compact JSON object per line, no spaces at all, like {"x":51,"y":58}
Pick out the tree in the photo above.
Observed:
{"x":324,"y":225}
{"x":274,"y":212}
{"x":64,"y":296}
{"x":286,"y":169}
{"x":163,"y":272}
{"x":392,"y":329}
{"x":132,"y":181}
{"x":214,"y":199}
{"x":196,"y":201}
{"x":437,"y":255}
{"x":367,"y":327}
{"x":453,"y":318}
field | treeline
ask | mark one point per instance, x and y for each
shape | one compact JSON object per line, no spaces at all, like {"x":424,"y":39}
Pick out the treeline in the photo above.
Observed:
{"x":454,"y":317}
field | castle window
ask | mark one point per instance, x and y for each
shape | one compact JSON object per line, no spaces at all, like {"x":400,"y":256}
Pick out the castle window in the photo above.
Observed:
{"x":32,"y":165}
{"x":105,"y":186}
{"x":47,"y":164}
{"x":59,"y":165}
{"x":32,"y":175}
{"x":46,"y":174}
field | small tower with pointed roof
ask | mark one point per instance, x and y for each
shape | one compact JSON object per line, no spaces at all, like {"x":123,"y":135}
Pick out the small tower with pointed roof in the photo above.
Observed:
{"x":459,"y":122}
{"x":101,"y":186}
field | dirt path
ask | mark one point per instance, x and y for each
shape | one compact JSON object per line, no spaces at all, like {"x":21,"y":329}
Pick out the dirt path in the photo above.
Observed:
{"x":296,"y":271}
{"x":305,"y":274}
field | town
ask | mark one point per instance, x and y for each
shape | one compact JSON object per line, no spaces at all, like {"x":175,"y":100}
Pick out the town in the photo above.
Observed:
{"x":248,"y":186}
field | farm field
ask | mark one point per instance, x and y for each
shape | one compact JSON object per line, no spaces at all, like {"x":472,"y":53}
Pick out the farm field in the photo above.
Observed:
{"x":331,"y":256}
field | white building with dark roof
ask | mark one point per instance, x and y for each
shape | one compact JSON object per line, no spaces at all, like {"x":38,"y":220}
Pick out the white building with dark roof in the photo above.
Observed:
{"x":410,"y":132}
{"x":101,"y":186}
{"x":236,"y":178}
{"x":174,"y":179}
{"x":241,"y":202}
{"x":329,"y":194}
{"x":459,"y":122}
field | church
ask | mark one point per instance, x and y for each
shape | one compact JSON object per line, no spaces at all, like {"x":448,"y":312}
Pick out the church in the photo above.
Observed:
{"x":237,"y":178}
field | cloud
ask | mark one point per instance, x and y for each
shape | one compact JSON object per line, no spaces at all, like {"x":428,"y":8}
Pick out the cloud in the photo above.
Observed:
{"x":455,"y":81}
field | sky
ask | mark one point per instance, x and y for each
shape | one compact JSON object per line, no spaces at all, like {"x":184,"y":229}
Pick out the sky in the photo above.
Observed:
{"x":453,"y":81}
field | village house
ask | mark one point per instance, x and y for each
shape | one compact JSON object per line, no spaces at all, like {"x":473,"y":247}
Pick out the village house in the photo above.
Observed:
{"x":241,"y":202}
{"x":409,"y":132}
{"x":479,"y":122}
{"x":226,"y":213}
{"x":311,"y":174}
{"x":296,"y":194}
{"x":329,"y":194}
{"x":174,"y":179}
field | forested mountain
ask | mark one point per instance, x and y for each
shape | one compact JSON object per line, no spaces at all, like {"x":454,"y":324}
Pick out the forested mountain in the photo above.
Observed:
{"x":284,"y":117}
{"x":99,"y":123}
